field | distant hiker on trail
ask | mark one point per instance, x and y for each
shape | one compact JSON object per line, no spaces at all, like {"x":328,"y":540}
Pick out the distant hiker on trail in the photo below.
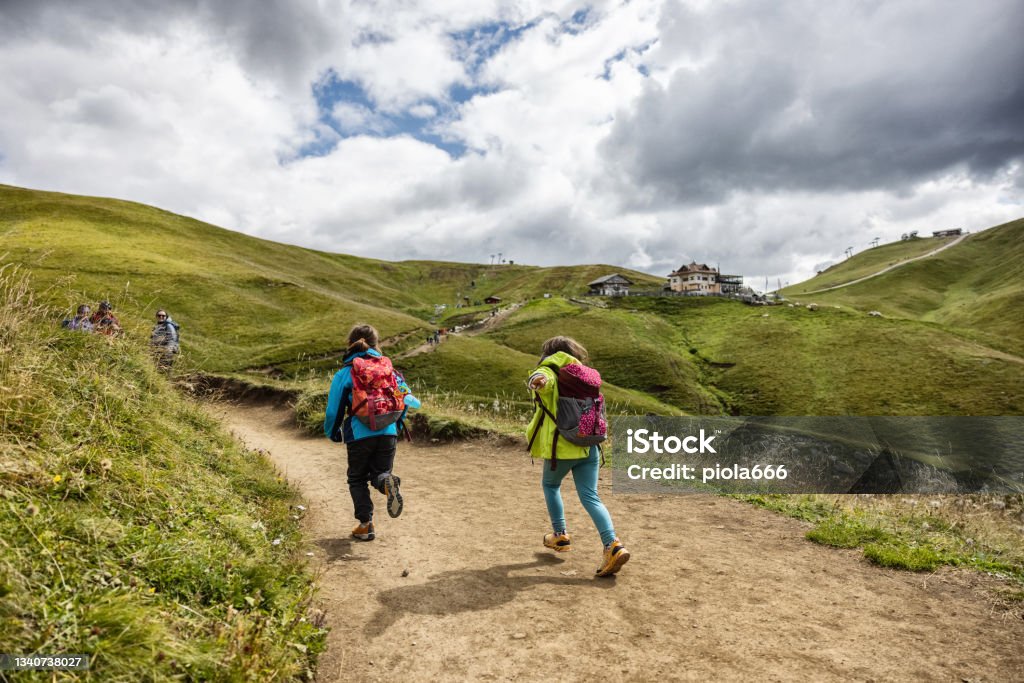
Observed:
{"x":81,"y":320}
{"x":104,"y":321}
{"x":567,"y":425}
{"x":164,"y":341}
{"x":369,"y":389}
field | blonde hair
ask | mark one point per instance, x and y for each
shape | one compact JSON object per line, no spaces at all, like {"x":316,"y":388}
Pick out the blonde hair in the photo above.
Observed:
{"x":362,"y":337}
{"x":565,"y":344}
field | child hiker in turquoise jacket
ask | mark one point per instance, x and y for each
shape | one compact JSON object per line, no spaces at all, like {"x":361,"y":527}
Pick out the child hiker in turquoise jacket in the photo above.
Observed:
{"x":371,"y":452}
{"x":583,"y":461}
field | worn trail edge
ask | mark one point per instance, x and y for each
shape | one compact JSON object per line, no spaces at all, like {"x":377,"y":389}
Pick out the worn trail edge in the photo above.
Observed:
{"x":716,"y":589}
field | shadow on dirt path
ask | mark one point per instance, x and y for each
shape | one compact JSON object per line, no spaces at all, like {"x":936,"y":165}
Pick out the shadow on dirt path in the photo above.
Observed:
{"x":469,"y":590}
{"x":459,"y":588}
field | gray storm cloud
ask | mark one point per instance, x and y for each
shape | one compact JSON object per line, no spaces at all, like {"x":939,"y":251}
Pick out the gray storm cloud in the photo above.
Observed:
{"x":812,"y":97}
{"x":281,"y":40}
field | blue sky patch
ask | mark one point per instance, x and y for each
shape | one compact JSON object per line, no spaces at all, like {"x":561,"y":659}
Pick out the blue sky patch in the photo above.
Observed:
{"x":475,"y":46}
{"x":621,"y":55}
{"x":580,"y":21}
{"x":346,"y":108}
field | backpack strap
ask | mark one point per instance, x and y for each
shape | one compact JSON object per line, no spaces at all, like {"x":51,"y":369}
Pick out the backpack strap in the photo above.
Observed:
{"x":554,"y":442}
{"x":349,"y":364}
{"x":545,"y":412}
{"x":346,"y":396}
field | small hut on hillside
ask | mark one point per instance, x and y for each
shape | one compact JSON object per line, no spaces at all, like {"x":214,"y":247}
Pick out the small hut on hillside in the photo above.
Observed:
{"x":610,"y":285}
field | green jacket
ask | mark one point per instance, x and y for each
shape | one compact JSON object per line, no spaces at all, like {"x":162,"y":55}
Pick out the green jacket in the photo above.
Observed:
{"x":541,"y":447}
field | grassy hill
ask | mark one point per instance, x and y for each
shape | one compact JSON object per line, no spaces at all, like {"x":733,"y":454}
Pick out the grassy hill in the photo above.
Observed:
{"x":975,"y":287}
{"x":480,"y":369}
{"x":250,"y":306}
{"x":791,"y":361}
{"x":868,"y":262}
{"x":242,"y":301}
{"x":133,"y":528}
{"x":639,"y":351}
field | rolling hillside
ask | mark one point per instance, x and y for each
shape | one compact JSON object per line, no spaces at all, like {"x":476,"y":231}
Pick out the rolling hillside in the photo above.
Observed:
{"x":867,"y":263}
{"x":134,"y":528}
{"x":950,"y":342}
{"x":791,"y":361}
{"x":242,"y":301}
{"x":975,"y":287}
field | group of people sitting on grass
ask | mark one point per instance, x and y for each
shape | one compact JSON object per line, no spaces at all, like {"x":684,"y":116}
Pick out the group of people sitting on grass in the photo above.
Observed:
{"x":163,"y":340}
{"x":103,"y":321}
{"x":367,"y":405}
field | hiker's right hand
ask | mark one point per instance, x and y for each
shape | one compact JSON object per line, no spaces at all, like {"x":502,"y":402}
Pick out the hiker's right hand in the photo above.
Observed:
{"x":537,"y":382}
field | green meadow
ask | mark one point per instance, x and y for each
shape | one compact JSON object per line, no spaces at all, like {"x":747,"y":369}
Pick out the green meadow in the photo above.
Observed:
{"x":868,"y":262}
{"x":781,"y":360}
{"x":975,"y":289}
{"x":948,"y":342}
{"x":243,"y":302}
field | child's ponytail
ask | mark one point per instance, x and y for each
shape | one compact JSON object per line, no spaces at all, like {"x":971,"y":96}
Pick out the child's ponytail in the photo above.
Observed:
{"x":361,"y":337}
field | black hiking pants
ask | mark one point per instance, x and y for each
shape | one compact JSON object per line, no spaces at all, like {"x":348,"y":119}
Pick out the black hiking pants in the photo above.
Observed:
{"x":369,"y":460}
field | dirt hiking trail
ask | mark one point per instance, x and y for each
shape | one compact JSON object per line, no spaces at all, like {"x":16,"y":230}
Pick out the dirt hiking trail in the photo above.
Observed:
{"x":473,"y":330}
{"x":715,"y":590}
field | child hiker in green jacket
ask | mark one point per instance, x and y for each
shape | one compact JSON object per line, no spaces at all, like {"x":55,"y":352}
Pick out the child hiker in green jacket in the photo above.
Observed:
{"x":563,"y":456}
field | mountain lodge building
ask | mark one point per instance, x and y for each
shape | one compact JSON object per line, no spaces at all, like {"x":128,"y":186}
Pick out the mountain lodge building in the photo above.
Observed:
{"x":700,"y":278}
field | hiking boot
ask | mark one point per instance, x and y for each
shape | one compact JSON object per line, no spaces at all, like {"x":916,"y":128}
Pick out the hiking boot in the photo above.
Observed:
{"x":394,"y":494}
{"x":363,"y":532}
{"x":615,"y":555}
{"x":558,"y":542}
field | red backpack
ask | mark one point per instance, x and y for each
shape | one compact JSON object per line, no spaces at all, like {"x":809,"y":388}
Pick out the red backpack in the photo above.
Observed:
{"x":376,"y":399}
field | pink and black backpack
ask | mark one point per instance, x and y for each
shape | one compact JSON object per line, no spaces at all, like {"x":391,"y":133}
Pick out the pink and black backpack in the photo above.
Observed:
{"x":579,"y":413}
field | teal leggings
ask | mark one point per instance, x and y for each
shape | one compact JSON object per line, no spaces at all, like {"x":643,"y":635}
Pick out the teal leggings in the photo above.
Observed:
{"x":584,"y":475}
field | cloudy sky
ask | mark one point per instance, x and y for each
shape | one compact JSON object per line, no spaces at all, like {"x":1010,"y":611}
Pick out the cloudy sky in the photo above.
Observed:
{"x":761,"y":135}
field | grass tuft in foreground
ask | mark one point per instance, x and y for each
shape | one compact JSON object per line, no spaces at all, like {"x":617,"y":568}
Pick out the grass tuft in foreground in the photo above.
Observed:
{"x":132,"y":527}
{"x":917,"y":533}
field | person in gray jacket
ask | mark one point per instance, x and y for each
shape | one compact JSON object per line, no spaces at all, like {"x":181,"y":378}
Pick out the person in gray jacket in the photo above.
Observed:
{"x":164,"y":340}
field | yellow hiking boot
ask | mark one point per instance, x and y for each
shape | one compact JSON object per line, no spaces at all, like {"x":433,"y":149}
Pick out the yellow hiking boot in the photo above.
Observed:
{"x":558,"y":542}
{"x":615,"y":555}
